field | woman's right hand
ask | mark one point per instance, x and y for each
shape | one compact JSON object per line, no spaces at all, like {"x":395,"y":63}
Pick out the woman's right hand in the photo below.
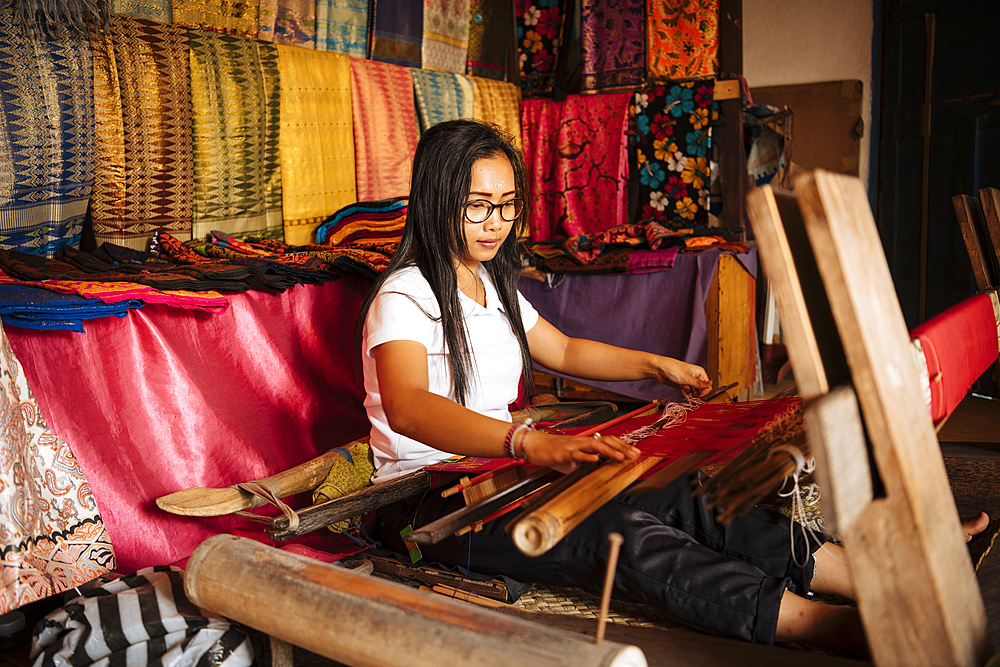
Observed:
{"x":565,"y":452}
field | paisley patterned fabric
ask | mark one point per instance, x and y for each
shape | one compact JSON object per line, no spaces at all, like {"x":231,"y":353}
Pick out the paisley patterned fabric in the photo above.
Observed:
{"x":489,"y":38}
{"x":672,"y":146}
{"x":683,"y":38}
{"x":613,"y":44}
{"x":446,"y":35}
{"x":46,"y":138}
{"x":143,"y":163}
{"x":342,"y":27}
{"x":539,"y":37}
{"x":442,"y":96}
{"x":51,"y":532}
{"x":234,"y":127}
{"x":316,"y":139}
{"x":395,"y":31}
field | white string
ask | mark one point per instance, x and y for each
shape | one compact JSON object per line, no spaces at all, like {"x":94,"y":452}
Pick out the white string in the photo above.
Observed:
{"x":672,"y":415}
{"x":802,"y":466}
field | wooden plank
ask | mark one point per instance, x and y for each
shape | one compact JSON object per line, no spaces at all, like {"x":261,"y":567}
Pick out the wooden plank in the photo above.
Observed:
{"x":908,"y":558}
{"x":970,"y":219}
{"x":990,"y":198}
{"x":729,"y":314}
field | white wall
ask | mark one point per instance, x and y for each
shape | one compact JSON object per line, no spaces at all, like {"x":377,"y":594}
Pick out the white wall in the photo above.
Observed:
{"x":810,"y":41}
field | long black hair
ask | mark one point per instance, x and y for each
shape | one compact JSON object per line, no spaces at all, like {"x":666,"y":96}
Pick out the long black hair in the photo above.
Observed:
{"x":434,"y":234}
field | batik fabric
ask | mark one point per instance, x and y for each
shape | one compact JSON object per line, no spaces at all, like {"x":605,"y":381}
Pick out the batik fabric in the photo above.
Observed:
{"x":613,"y":44}
{"x":46,"y":137}
{"x":385,"y":128}
{"x":316,"y":139}
{"x":441,"y":96}
{"x":577,"y":157}
{"x":671,"y":142}
{"x":234,"y":127}
{"x":342,"y":27}
{"x":539,"y":37}
{"x":498,"y":102}
{"x":683,"y":38}
{"x":446,"y":35}
{"x":51,"y":531}
{"x":490,"y":39}
{"x":396,"y":31}
{"x":143,"y":161}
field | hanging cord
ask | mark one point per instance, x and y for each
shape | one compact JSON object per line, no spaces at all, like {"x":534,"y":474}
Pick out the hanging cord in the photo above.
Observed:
{"x":672,"y":415}
{"x":795,"y":493}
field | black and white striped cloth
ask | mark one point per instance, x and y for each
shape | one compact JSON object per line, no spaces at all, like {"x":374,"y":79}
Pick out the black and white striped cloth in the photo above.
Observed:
{"x":142,"y":619}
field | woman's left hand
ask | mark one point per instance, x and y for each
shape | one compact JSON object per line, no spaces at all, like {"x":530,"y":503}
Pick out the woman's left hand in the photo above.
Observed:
{"x":690,"y":379}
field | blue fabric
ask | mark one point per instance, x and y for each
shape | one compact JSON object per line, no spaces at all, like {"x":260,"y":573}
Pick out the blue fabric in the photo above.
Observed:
{"x":38,"y":308}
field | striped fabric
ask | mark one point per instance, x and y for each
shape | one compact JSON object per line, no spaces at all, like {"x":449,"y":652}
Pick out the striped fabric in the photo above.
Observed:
{"x":395,"y":31}
{"x":46,"y":138}
{"x":499,"y":103}
{"x":235,"y":107}
{"x":490,"y":38}
{"x":446,"y":35}
{"x":143,"y":163}
{"x":385,"y":128}
{"x":441,"y":96}
{"x":342,"y":27}
{"x":316,"y":140}
{"x":230,"y":18}
{"x":141,"y":619}
{"x":151,"y":10}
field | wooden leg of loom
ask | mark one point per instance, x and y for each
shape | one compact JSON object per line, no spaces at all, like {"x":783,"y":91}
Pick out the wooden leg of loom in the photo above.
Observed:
{"x":281,"y":653}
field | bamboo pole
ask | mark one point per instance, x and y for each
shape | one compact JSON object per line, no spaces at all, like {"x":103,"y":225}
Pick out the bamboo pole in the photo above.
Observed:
{"x":362,"y":621}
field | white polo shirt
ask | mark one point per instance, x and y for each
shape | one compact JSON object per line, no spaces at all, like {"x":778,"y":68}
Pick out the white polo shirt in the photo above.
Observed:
{"x":405,"y":309}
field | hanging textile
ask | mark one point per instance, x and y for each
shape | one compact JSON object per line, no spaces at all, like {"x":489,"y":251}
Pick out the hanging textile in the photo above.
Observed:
{"x":295,"y":23}
{"x":498,"y":102}
{"x":395,"y":31}
{"x":151,"y":10}
{"x":342,"y":27}
{"x":235,"y":107}
{"x":683,"y":38}
{"x":490,"y":39}
{"x":385,"y":128}
{"x":51,"y":532}
{"x":143,"y":161}
{"x":316,"y":139}
{"x":672,"y":140}
{"x":539,"y":36}
{"x":46,"y":137}
{"x":577,"y":157}
{"x":230,"y":18}
{"x":446,"y":35}
{"x":441,"y":96}
{"x":613,"y":44}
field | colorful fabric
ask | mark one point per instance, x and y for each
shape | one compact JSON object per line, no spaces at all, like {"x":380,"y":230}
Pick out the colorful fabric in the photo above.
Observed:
{"x":234,"y":126}
{"x":672,"y":142}
{"x":267,"y":14}
{"x":490,"y":37}
{"x":576,"y":154}
{"x":385,"y":128}
{"x":498,"y":102}
{"x":395,"y":31}
{"x":441,"y":96}
{"x":551,"y":257}
{"x":143,"y":163}
{"x":613,"y":44}
{"x":37,"y":308}
{"x":342,"y":27}
{"x":115,"y":292}
{"x":151,"y":10}
{"x":316,"y":140}
{"x":51,"y":531}
{"x":230,"y":18}
{"x":585,"y":248}
{"x":446,"y":35}
{"x":46,"y":137}
{"x":682,"y":38}
{"x":342,"y":224}
{"x":539,"y":38}
{"x":351,"y":471}
{"x":295,"y":23}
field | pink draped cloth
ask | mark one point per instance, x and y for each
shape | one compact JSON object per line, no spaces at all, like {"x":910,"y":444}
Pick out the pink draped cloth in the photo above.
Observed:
{"x":166,"y":399}
{"x":577,"y":159}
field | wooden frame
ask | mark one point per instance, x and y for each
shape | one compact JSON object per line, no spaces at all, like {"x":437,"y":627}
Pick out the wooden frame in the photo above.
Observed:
{"x":972,"y":224}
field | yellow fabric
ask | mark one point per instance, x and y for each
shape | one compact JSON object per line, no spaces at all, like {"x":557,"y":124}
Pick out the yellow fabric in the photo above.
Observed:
{"x":236,"y":18}
{"x":345,"y":478}
{"x":498,"y":102}
{"x":316,"y":139}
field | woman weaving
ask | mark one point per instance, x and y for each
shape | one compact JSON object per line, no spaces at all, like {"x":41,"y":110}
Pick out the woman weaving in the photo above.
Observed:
{"x":446,"y":340}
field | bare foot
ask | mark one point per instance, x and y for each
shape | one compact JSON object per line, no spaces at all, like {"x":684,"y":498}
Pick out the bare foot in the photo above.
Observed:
{"x":973,"y":527}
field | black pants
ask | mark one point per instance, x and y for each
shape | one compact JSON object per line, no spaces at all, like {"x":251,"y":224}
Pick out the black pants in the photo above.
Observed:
{"x":724,"y":579}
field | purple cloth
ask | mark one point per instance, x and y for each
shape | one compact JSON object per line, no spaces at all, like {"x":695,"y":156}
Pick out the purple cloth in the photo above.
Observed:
{"x":648,"y":261}
{"x":661,"y":312}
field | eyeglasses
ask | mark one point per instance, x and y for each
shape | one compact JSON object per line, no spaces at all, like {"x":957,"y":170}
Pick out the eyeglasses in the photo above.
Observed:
{"x":480,"y":210}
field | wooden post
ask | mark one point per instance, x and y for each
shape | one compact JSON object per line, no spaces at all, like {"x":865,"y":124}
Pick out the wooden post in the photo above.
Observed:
{"x":365,"y":621}
{"x":729,"y":314}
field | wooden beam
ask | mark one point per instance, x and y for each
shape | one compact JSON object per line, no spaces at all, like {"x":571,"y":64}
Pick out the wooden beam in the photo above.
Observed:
{"x":970,"y":221}
{"x":990,"y":199}
{"x":729,"y":314}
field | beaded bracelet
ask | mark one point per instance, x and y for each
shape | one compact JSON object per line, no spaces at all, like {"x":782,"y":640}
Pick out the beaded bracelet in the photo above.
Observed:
{"x":524,"y":438}
{"x":508,"y":441}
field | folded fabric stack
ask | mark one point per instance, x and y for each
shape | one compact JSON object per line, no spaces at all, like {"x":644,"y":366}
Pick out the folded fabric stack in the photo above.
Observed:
{"x":37,"y":308}
{"x":360,"y":239}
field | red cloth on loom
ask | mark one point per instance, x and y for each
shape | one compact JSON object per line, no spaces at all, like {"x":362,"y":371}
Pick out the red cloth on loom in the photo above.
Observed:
{"x":166,"y":399}
{"x":959,"y":345}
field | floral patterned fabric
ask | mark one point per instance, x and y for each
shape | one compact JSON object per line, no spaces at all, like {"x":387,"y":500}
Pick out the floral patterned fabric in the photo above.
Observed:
{"x":682,"y":38}
{"x":671,"y":142}
{"x":613,"y":43}
{"x":539,"y":36}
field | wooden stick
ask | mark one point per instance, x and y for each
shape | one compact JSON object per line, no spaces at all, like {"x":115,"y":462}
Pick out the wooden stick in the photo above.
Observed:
{"x":479,"y":479}
{"x":609,"y":583}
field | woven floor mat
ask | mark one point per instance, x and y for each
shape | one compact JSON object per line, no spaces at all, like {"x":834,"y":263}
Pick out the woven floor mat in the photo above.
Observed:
{"x":577,"y":602}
